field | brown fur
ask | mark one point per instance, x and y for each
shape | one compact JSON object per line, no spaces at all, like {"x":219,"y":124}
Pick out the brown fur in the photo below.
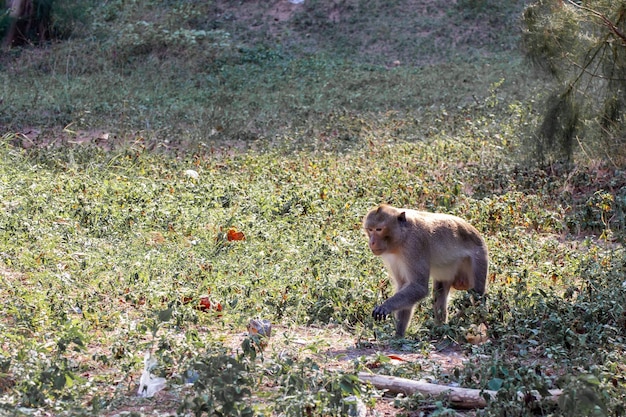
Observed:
{"x":417,"y":246}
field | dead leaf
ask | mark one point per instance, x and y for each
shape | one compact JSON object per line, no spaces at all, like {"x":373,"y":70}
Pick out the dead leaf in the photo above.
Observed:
{"x":477,"y":334}
{"x":234,"y":235}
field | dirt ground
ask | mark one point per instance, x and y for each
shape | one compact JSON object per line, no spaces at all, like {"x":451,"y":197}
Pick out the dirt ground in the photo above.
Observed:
{"x":334,"y":349}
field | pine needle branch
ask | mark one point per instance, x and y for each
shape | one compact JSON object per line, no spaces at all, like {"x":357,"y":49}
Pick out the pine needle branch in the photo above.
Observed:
{"x":607,"y":22}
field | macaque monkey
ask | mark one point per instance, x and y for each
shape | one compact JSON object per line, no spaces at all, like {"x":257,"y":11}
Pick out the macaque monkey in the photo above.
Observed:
{"x":416,"y":246}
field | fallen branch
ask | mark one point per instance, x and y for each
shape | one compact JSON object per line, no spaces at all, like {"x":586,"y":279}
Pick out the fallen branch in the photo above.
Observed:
{"x":458,"y":397}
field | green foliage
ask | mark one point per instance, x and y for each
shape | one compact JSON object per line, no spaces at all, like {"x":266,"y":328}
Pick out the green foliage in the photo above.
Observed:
{"x":381,"y":32}
{"x":222,"y":386}
{"x":583,"y":396}
{"x":550,"y":28}
{"x":117,"y":241}
{"x":58,"y":19}
{"x":162,"y":38}
{"x":558,"y":131}
{"x":583,"y":47}
{"x":196,"y":72}
{"x":308,"y":389}
{"x":70,"y":18}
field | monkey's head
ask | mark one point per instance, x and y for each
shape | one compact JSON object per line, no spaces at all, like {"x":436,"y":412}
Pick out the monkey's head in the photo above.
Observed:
{"x":384,"y":227}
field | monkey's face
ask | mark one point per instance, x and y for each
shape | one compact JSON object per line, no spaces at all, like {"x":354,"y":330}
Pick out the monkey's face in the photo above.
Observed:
{"x":378,"y":240}
{"x":383,"y":227}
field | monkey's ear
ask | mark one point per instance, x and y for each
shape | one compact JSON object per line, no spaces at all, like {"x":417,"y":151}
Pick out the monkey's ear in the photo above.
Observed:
{"x":402,"y":217}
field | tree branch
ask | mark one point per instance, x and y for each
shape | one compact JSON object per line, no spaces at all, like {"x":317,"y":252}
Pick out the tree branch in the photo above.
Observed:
{"x":459,"y":397}
{"x":607,"y":22}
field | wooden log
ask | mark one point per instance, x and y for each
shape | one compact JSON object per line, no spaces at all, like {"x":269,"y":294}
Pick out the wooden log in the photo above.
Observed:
{"x":459,"y":397}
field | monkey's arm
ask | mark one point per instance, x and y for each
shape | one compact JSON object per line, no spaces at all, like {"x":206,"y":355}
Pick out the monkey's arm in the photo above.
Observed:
{"x":405,"y":298}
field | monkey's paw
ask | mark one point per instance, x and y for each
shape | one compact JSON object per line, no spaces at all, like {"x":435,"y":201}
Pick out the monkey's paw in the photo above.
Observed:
{"x":380,"y":313}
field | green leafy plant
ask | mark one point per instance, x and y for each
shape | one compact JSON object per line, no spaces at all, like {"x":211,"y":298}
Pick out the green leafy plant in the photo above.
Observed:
{"x":222,"y":386}
{"x":584,"y":396}
{"x":307,"y":389}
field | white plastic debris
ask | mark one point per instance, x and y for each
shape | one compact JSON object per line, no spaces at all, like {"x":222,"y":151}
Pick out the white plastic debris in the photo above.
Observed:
{"x":296,"y":1}
{"x":356,"y":407}
{"x":193,"y":174}
{"x":149,"y":384}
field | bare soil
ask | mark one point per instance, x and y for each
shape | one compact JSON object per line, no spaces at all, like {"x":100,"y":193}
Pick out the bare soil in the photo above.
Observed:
{"x":329,"y":346}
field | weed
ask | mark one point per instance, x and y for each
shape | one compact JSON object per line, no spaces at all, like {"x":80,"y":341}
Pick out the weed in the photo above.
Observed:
{"x":222,"y":386}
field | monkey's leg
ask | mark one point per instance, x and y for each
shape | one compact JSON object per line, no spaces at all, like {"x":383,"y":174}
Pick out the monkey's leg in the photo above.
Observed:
{"x":440,"y":298}
{"x":480,"y":266}
{"x":403,"y":318}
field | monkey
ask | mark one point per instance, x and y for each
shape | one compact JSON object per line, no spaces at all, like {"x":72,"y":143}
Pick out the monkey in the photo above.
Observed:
{"x":416,"y":246}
